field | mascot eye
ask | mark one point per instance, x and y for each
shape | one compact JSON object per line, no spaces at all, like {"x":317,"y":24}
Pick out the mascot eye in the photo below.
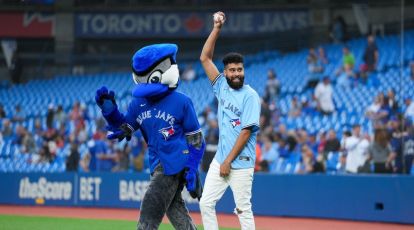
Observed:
{"x":155,"y":77}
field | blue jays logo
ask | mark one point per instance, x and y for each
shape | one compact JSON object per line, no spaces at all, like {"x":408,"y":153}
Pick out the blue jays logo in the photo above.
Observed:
{"x":235,"y":122}
{"x":167,"y":132}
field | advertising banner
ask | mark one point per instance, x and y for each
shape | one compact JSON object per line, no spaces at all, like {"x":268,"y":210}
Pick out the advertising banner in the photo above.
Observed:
{"x":186,"y":24}
{"x":29,"y":25}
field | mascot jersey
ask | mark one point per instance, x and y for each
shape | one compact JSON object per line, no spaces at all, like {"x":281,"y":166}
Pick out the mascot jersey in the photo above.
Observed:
{"x":164,"y":124}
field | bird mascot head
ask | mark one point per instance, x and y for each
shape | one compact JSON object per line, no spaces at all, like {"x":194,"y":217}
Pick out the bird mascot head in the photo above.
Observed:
{"x":155,"y":70}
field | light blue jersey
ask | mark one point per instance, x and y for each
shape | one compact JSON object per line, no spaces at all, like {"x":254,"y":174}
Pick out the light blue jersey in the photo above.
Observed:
{"x":237,"y":109}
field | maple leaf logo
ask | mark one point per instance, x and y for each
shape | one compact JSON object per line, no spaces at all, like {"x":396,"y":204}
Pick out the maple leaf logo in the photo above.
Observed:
{"x":193,"y":23}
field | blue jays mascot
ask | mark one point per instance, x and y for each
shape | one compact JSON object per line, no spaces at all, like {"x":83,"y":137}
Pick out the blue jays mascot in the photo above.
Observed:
{"x":169,"y":124}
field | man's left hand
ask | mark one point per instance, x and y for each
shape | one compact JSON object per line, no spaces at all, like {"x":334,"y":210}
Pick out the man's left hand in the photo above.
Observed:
{"x":225,"y":169}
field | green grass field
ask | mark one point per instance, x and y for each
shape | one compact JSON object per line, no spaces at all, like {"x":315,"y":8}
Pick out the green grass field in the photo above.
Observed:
{"x":8,"y":222}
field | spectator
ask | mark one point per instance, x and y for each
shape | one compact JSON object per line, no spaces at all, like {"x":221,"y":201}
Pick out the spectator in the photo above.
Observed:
{"x":399,"y":133}
{"x":84,"y":112}
{"x":348,"y":58}
{"x":50,"y":116}
{"x":18,"y":137}
{"x":380,"y":152}
{"x":307,"y":160}
{"x":409,"y":149}
{"x":324,"y":96}
{"x":28,"y":143}
{"x":291,"y":141}
{"x":312,"y":142}
{"x":341,"y":166}
{"x":319,"y":164}
{"x":314,"y":64}
{"x":6,"y":128}
{"x":400,"y":143}
{"x":283,"y":150}
{"x":2,"y":112}
{"x":355,"y":147}
{"x":412,"y":70}
{"x":269,"y":154}
{"x":105,"y":159}
{"x":392,"y":102}
{"x":322,"y":56}
{"x":272,"y":89}
{"x":122,"y":158}
{"x":332,"y":143}
{"x":372,"y":110}
{"x":257,"y":166}
{"x":16,"y":68}
{"x":72,"y":162}
{"x":371,"y":57}
{"x":19,"y":115}
{"x":60,"y":115}
{"x":348,"y":62}
{"x":315,"y":68}
{"x":100,"y":123}
{"x":309,"y":107}
{"x":138,"y":151}
{"x":409,"y":111}
{"x":189,"y":73}
{"x":384,"y":113}
{"x":45,"y":154}
{"x":265,"y":117}
{"x":38,"y":129}
{"x":322,"y":141}
{"x":295,"y":109}
{"x":338,"y":30}
{"x":75,"y":115}
{"x":89,"y":162}
{"x":347,"y":78}
{"x":212,"y":136}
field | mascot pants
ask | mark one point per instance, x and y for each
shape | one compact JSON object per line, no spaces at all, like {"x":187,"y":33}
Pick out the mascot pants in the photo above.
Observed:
{"x":240,"y":181}
{"x":164,"y":197}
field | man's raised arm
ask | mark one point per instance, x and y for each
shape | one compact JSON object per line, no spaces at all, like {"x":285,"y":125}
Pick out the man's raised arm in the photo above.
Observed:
{"x":206,"y":56}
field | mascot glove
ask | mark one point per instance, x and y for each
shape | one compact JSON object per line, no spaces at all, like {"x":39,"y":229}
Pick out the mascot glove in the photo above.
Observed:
{"x":195,"y":156}
{"x":193,"y":183}
{"x":105,"y":100}
{"x":124,"y":131}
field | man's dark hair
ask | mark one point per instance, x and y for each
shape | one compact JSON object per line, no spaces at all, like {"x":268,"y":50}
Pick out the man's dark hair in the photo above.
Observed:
{"x":232,"y":58}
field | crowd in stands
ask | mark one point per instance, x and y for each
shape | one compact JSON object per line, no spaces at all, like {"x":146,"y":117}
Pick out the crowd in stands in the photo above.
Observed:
{"x":387,"y":148}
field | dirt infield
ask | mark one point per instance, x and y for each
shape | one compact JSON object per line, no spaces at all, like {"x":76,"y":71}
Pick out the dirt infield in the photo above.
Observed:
{"x":225,"y":220}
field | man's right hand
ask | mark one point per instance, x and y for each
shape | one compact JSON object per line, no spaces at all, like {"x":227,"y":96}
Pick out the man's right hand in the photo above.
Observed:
{"x":105,"y":100}
{"x":219,"y":18}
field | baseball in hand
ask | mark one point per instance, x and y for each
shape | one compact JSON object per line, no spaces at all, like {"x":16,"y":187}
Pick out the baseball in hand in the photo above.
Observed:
{"x":218,"y":17}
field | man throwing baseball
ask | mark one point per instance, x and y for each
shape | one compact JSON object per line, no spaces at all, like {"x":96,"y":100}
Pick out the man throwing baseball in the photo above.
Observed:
{"x":238,"y":117}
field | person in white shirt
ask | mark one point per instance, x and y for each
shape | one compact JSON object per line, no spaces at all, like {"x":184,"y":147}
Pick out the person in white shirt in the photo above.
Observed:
{"x":355,"y":147}
{"x":324,"y":96}
{"x":409,"y":111}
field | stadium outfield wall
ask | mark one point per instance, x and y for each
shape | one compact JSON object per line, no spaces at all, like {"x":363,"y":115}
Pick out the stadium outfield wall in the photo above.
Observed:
{"x":362,"y":197}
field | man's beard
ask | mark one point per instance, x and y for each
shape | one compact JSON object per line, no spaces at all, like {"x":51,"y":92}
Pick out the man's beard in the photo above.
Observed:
{"x":235,"y":85}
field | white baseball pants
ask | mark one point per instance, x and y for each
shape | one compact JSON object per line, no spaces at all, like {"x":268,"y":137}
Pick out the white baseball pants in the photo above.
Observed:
{"x":240,"y":181}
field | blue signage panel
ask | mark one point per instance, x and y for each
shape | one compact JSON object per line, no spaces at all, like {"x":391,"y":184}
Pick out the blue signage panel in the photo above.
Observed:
{"x":355,"y":197}
{"x":41,"y":189}
{"x":186,"y":24}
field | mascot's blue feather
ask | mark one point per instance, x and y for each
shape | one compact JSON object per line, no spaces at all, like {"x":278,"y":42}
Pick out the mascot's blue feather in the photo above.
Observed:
{"x":148,"y":56}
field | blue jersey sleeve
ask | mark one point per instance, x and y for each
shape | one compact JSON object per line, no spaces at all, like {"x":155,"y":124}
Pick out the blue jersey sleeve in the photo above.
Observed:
{"x":218,"y":84}
{"x":132,"y":114}
{"x":251,"y":113}
{"x":190,"y":123}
